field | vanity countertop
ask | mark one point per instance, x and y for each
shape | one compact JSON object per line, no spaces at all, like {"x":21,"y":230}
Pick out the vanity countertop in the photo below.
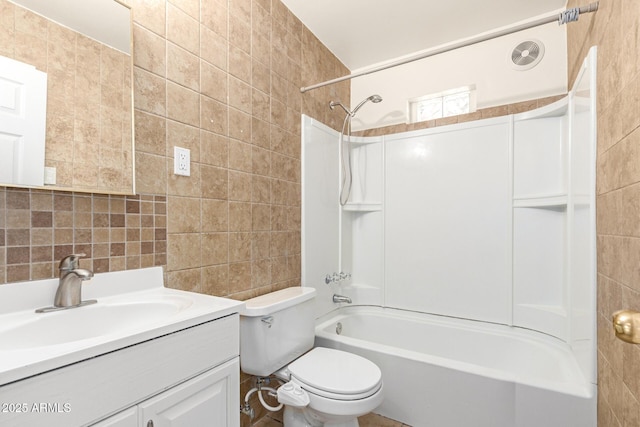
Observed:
{"x":132,"y":306}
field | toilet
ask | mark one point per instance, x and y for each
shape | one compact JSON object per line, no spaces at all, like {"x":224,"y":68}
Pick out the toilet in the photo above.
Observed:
{"x":322,"y":386}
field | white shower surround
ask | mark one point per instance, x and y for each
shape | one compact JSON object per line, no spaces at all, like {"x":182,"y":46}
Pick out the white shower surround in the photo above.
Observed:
{"x":491,"y":220}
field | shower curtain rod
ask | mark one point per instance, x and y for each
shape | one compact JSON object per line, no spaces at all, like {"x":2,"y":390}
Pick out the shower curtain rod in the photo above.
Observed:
{"x":567,"y":16}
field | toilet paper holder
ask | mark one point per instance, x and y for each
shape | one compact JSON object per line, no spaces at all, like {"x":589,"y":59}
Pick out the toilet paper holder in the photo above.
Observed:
{"x":626,"y":325}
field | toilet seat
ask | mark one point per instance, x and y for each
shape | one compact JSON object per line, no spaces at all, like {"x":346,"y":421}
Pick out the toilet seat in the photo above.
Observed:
{"x":336,"y":374}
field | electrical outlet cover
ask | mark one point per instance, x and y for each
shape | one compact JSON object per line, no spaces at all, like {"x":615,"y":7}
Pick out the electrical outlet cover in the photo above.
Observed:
{"x":181,"y":161}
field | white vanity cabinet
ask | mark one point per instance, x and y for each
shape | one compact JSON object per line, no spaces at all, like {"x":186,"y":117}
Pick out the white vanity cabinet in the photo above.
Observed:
{"x":210,"y":399}
{"x":189,"y":377}
{"x":207,"y":400}
{"x":128,"y":418}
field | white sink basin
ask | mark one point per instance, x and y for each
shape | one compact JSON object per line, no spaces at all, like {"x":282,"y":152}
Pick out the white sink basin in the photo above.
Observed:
{"x":31,"y":329}
{"x":133,"y":306}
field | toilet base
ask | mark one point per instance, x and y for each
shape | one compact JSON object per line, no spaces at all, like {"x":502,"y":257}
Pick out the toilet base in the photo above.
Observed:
{"x":307,"y":417}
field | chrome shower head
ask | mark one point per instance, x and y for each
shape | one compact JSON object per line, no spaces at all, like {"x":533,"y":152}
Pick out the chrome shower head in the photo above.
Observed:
{"x":373,"y":98}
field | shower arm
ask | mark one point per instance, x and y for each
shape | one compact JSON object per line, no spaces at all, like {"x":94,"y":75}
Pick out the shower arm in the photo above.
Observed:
{"x":566,"y":16}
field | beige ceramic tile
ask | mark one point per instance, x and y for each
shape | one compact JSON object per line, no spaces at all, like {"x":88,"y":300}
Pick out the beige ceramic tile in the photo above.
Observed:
{"x":215,"y":280}
{"x":239,"y":63}
{"x":191,"y":7}
{"x":185,"y":280}
{"x":260,"y":133}
{"x":239,"y":247}
{"x":239,"y":277}
{"x":215,"y":215}
{"x":215,"y":182}
{"x":183,"y":214}
{"x":260,"y":245}
{"x":214,"y":15}
{"x":214,"y":48}
{"x":150,"y":133}
{"x":184,"y":251}
{"x":215,"y":248}
{"x":213,"y":116}
{"x":151,"y":176}
{"x":240,"y":32}
{"x":214,"y":149}
{"x":214,"y":81}
{"x":183,"y":104}
{"x":184,"y":67}
{"x":240,"y":95}
{"x":150,"y":92}
{"x":260,"y":189}
{"x":239,"y":216}
{"x":239,"y":186}
{"x":150,"y":50}
{"x":261,"y":49}
{"x":240,"y":125}
{"x":182,"y":29}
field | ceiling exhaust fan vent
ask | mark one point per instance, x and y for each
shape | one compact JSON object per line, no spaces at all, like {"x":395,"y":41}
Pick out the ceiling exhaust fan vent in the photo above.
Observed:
{"x":527,"y":55}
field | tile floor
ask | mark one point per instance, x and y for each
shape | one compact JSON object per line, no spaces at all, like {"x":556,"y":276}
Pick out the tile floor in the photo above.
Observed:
{"x":369,"y":420}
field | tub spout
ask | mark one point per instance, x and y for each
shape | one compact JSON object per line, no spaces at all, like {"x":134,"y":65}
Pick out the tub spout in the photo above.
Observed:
{"x":341,"y":298}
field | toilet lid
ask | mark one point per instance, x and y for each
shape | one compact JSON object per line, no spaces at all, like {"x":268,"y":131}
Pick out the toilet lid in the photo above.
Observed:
{"x":336,"y":374}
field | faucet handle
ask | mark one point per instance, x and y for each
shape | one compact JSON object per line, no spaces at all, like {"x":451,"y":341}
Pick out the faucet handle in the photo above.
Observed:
{"x":71,"y":262}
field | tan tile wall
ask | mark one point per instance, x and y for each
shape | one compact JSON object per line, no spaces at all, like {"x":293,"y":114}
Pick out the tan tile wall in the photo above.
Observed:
{"x":222,"y":78}
{"x":88,"y":100}
{"x":615,"y":29}
{"x":229,"y":92}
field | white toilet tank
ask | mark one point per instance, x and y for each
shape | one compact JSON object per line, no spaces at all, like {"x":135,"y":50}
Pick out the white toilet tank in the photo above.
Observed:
{"x":275,"y":329}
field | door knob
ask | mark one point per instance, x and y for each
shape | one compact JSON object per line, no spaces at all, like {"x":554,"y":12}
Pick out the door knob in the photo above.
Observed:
{"x":626,"y":325}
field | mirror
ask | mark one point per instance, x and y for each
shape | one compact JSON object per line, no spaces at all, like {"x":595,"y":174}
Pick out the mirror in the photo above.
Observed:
{"x":85,"y":48}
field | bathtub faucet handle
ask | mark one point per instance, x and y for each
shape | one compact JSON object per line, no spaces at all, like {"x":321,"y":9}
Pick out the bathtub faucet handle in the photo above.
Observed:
{"x":336,"y":277}
{"x":331,"y":278}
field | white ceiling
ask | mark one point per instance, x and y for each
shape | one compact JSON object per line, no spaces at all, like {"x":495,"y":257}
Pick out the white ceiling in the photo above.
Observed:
{"x":366,"y":32}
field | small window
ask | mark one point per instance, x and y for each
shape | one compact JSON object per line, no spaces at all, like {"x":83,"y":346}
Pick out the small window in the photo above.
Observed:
{"x":443,"y":104}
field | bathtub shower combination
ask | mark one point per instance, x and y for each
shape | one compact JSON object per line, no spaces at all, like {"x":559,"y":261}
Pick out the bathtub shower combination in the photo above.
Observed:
{"x":468,"y":252}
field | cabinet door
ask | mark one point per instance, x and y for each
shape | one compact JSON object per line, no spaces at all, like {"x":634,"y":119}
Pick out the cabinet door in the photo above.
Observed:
{"x":127,"y":418}
{"x":211,"y":399}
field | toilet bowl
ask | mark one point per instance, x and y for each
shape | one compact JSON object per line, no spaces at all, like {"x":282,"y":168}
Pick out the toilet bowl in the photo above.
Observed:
{"x":341,"y":386}
{"x":323,"y":387}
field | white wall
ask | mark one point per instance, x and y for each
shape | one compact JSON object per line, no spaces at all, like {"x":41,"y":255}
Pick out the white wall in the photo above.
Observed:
{"x":486,"y":65}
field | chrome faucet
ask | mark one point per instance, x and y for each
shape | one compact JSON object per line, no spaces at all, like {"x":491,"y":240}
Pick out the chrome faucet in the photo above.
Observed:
{"x":341,"y":298}
{"x":69,"y":293}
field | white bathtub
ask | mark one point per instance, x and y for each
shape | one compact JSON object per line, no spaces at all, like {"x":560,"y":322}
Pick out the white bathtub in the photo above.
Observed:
{"x":446,"y":372}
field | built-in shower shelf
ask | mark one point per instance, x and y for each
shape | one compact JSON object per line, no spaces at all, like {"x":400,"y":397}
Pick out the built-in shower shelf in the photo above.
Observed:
{"x":550,"y":201}
{"x":362,"y":207}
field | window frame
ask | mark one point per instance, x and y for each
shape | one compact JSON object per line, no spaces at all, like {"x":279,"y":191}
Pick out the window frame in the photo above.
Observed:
{"x":414,"y":103}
